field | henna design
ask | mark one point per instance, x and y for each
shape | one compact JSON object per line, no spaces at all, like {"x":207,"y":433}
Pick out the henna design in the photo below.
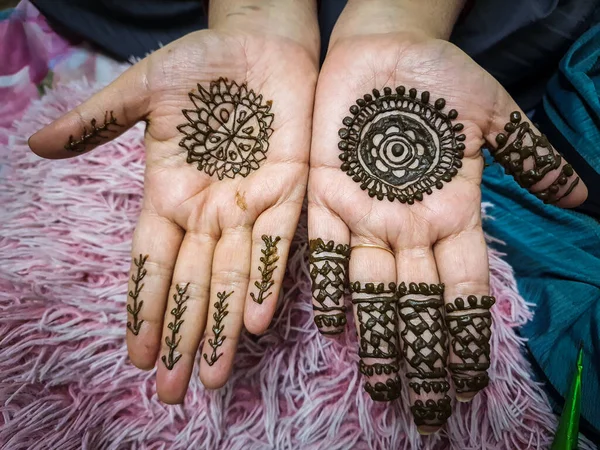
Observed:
{"x":268,"y":259}
{"x":172,"y":342}
{"x":469,"y":323}
{"x":328,"y":269}
{"x":218,"y":327}
{"x":432,"y":412}
{"x":228,"y":130}
{"x":425,"y":348}
{"x":529,"y":157}
{"x":95,"y":136}
{"x":134,"y":310}
{"x":378,"y":332}
{"x":398,"y":146}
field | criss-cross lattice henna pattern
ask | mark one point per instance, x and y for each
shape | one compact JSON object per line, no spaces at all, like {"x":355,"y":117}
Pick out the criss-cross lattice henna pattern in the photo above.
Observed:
{"x":228,"y":131}
{"x":377,"y":315}
{"x":328,"y":269}
{"x":96,"y":135}
{"x":398,"y":145}
{"x":175,"y":325}
{"x":469,"y":323}
{"x":425,"y":348}
{"x":529,"y":157}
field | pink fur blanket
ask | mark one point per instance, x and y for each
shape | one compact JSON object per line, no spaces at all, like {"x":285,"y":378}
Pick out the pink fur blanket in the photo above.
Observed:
{"x":66,"y":383}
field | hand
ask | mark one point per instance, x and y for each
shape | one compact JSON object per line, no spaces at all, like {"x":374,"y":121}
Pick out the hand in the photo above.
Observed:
{"x":396,"y":175}
{"x":228,"y":124}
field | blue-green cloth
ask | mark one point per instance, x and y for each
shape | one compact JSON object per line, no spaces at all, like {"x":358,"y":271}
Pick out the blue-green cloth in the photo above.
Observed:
{"x":555,"y":253}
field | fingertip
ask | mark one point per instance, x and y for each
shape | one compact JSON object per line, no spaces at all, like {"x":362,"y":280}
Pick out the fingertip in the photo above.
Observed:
{"x":212,"y":379}
{"x":425,"y":430}
{"x":465,"y":397}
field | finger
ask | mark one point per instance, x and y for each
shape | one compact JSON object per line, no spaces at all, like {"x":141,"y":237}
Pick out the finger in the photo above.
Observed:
{"x":100,"y":119}
{"x":229,"y":281}
{"x":373,"y":288}
{"x":185,"y":316}
{"x":328,"y":259}
{"x":528,"y":156}
{"x":424,"y":338}
{"x":271,"y":238}
{"x":156,"y":242}
{"x":463,"y":267}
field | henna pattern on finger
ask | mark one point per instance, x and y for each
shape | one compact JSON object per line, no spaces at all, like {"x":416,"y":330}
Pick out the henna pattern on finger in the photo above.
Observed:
{"x":227,"y":132}
{"x":528,"y":156}
{"x":377,"y":315}
{"x":328,"y":269}
{"x":217,"y":328}
{"x":398,"y":145}
{"x":425,"y":348}
{"x":269,"y":258}
{"x":96,"y":135}
{"x":173,"y":341}
{"x":135,"y":325}
{"x":469,"y":323}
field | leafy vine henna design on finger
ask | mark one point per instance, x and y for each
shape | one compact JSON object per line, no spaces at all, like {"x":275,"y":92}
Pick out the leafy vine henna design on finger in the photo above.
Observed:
{"x":96,"y":135}
{"x":135,"y":325}
{"x":376,"y":311}
{"x":529,"y":157}
{"x":227,"y":132}
{"x":425,"y":348}
{"x":218,"y":327}
{"x":328,"y":269}
{"x":269,"y":258}
{"x":398,"y":145}
{"x":173,"y":341}
{"x":470,"y":326}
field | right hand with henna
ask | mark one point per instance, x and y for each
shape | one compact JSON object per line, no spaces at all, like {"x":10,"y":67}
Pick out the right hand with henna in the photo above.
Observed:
{"x":228,"y":114}
{"x":395,"y":201}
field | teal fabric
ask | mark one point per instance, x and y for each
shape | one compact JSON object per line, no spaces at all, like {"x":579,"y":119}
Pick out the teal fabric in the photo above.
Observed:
{"x":555,"y":253}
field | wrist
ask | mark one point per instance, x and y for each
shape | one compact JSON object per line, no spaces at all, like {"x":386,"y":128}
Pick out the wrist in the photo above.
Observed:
{"x":295,"y":20}
{"x":429,"y":18}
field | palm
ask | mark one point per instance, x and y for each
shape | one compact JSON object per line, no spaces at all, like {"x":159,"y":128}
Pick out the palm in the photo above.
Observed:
{"x":177,"y":189}
{"x":432,"y":65}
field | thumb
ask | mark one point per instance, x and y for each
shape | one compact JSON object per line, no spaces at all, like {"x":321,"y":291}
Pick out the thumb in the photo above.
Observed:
{"x":530,"y":158}
{"x":103,"y":117}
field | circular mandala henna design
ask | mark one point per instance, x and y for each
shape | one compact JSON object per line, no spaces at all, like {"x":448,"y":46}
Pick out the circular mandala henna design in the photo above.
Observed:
{"x":228,"y":131}
{"x":400,"y":146}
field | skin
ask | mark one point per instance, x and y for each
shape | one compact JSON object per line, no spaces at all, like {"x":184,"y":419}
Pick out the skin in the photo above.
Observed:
{"x":440,"y":239}
{"x":207,"y":232}
{"x":195,"y":228}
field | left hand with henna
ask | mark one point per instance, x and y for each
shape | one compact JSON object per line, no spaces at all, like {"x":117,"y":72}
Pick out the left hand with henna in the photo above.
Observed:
{"x":228,"y":114}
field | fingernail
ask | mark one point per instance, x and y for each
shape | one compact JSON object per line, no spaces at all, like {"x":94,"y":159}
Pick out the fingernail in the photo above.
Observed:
{"x":465,"y":397}
{"x":425,"y":430}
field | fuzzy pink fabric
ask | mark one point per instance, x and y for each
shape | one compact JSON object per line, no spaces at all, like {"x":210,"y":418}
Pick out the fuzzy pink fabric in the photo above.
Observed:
{"x":66,"y":383}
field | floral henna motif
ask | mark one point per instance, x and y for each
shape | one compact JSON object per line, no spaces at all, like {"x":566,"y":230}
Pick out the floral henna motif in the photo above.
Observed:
{"x":528,"y":156}
{"x":96,"y":135}
{"x":173,"y":341}
{"x":376,"y":311}
{"x":328,"y":269}
{"x":227,"y":132}
{"x":425,"y":348}
{"x":469,"y":323}
{"x":135,"y":308}
{"x":218,"y":327}
{"x":398,"y":145}
{"x":269,"y":259}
